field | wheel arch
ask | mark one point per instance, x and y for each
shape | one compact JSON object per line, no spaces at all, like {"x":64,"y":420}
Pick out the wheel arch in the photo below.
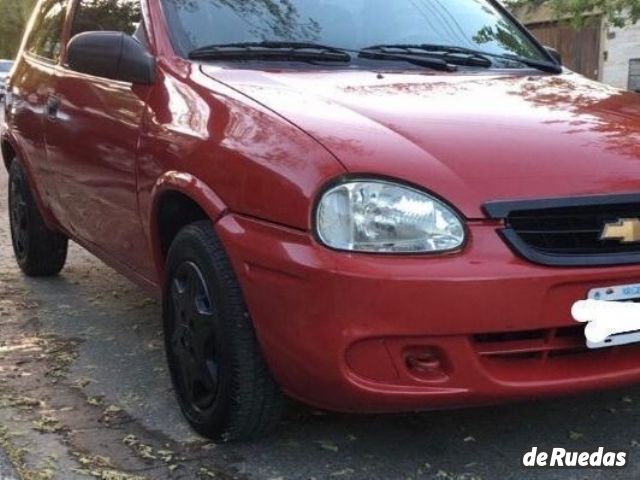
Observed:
{"x":10,"y":150}
{"x":179,"y":199}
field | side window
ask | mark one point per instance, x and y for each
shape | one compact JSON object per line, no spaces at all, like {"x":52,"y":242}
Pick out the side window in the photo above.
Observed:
{"x":107,"y":15}
{"x":45,"y":39}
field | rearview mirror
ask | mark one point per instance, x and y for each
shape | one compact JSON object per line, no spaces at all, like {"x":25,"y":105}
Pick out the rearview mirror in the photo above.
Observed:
{"x":113,"y":55}
{"x":555,"y":54}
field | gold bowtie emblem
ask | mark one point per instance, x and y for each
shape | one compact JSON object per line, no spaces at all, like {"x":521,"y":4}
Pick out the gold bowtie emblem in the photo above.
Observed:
{"x":625,"y":230}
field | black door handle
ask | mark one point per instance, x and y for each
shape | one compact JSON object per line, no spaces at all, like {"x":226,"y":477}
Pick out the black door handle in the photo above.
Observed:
{"x":53,"y":105}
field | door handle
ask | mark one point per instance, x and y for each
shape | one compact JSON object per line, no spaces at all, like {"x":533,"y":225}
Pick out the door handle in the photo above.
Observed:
{"x":52,"y":108}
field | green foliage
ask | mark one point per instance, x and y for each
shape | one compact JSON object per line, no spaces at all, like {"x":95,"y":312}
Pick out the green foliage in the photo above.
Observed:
{"x":14,"y":15}
{"x":118,"y":15}
{"x":617,"y":12}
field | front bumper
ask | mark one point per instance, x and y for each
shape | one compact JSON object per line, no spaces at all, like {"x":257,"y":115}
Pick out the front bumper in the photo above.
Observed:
{"x":372,"y":333}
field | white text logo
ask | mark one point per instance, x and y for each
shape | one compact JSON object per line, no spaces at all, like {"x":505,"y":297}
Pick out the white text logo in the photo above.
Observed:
{"x":560,"y":457}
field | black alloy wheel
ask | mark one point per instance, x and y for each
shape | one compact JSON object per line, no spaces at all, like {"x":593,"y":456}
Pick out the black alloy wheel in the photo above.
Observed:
{"x":192,"y":344}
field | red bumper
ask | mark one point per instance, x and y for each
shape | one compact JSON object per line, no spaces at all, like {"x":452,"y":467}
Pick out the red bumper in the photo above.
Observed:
{"x":370,"y":333}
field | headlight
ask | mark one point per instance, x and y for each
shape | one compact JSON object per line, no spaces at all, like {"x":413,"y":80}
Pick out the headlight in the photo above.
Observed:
{"x":379,"y":216}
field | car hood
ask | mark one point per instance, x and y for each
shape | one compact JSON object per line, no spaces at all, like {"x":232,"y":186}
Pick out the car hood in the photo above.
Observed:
{"x":467,"y":138}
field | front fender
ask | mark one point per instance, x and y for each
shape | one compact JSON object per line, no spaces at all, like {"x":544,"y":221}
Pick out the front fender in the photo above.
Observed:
{"x":260,"y":164}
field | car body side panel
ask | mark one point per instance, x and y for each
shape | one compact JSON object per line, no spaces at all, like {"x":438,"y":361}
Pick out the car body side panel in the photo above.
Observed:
{"x":92,"y":147}
{"x":26,"y":116}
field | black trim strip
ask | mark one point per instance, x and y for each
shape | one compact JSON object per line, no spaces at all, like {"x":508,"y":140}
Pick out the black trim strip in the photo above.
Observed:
{"x":501,"y":209}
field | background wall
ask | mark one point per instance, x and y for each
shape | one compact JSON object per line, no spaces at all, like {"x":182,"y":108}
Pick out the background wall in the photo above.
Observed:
{"x":619,"y":47}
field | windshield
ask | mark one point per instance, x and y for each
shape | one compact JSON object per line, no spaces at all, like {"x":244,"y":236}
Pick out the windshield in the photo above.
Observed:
{"x":348,"y":24}
{"x":5,"y":67}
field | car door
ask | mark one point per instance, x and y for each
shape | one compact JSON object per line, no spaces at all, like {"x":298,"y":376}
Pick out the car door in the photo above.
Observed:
{"x":92,"y":135}
{"x":31,"y":85}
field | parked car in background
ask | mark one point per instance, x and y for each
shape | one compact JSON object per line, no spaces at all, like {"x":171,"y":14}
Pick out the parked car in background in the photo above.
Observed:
{"x":369,"y":206}
{"x":5,"y":68}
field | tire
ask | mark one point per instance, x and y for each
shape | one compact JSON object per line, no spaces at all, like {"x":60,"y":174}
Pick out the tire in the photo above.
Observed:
{"x":221,"y":380}
{"x":39,"y":251}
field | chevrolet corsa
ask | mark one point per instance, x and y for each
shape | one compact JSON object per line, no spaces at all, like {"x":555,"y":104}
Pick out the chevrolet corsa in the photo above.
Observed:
{"x":368,"y":206}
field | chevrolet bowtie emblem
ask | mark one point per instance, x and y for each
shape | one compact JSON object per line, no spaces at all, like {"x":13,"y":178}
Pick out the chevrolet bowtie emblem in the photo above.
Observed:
{"x":625,"y":230}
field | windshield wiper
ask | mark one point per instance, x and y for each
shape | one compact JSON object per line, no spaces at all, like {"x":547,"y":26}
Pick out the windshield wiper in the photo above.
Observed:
{"x":301,"y":51}
{"x":469,"y":56}
{"x":422,"y":61}
{"x":542,"y":66}
{"x":451,"y":55}
{"x":304,"y":51}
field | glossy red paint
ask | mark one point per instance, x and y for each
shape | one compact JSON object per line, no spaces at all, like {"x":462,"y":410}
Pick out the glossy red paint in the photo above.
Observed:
{"x":468,"y":138}
{"x":253,"y":149}
{"x":337,"y":328}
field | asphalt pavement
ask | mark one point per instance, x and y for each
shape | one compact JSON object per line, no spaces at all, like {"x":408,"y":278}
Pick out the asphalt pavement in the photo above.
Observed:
{"x":7,"y":472}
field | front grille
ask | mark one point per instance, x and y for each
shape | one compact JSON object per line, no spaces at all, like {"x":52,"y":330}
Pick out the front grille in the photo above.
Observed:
{"x":574,"y":231}
{"x":567,"y":232}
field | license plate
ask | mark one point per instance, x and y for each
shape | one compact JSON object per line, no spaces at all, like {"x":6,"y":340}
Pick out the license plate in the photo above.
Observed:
{"x":618,"y":293}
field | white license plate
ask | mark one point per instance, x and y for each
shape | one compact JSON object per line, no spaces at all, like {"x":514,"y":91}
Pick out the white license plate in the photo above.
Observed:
{"x":618,"y":293}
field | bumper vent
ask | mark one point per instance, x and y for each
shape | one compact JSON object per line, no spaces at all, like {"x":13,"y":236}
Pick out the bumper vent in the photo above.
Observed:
{"x":567,"y":232}
{"x":554,"y":355}
{"x":531,"y":345}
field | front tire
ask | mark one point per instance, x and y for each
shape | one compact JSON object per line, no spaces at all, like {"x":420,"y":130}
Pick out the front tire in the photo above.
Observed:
{"x":39,"y":251}
{"x":222,"y":383}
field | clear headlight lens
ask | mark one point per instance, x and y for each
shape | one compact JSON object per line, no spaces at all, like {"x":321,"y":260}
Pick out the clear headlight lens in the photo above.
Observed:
{"x":380,"y":216}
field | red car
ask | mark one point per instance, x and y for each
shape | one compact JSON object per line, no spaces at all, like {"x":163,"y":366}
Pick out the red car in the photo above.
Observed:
{"x":369,"y":206}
